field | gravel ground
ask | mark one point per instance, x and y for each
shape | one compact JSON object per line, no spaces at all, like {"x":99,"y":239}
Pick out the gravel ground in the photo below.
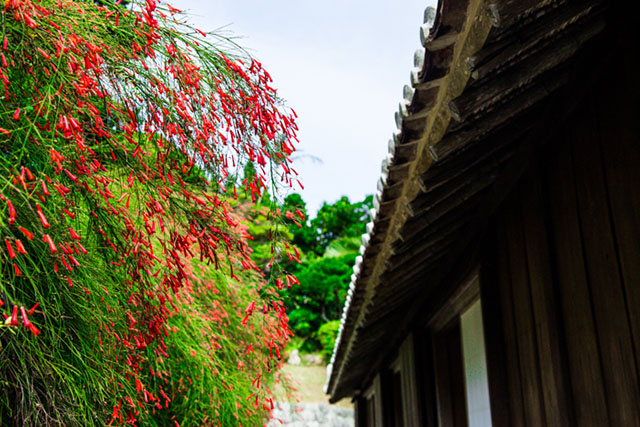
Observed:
{"x":311,"y":415}
{"x":312,"y":409}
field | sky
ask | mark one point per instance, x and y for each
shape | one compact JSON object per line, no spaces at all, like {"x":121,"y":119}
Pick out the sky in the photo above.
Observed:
{"x":341,"y":65}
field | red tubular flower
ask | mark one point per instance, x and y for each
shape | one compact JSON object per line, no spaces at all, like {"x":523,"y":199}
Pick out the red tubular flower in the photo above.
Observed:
{"x":25,"y":319}
{"x":12,"y":212}
{"x":34,"y":330}
{"x":33,"y":309}
{"x":20,"y":247}
{"x":45,"y":190}
{"x":71,"y":176}
{"x":43,"y":53}
{"x":46,"y":238}
{"x":12,"y":254}
{"x":43,"y":218}
{"x":74,"y":261}
{"x":132,"y":320}
{"x":74,"y":235}
{"x":17,"y":270}
{"x":27,"y":233}
{"x":14,"y":316}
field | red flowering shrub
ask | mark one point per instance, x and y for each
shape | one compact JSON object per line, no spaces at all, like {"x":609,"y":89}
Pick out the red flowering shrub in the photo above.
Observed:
{"x":128,"y":291}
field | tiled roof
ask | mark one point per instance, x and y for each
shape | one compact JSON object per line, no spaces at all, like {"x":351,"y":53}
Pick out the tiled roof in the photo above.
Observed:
{"x":478,"y":85}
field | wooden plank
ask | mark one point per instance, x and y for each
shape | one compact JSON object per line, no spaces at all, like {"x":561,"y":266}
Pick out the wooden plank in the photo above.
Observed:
{"x":523,"y":315}
{"x":443,"y":386}
{"x":371,"y":413}
{"x":492,"y":119}
{"x":425,"y":376}
{"x":516,"y":405}
{"x":529,"y":71}
{"x":582,"y":345}
{"x":494,"y":340}
{"x":456,"y":377}
{"x":377,"y":402}
{"x":391,"y":397}
{"x":619,"y":130}
{"x":360,"y":412}
{"x":397,"y":403}
{"x":543,"y":298}
{"x":409,"y":403}
{"x":480,"y":171}
{"x":452,"y":408}
{"x":505,"y":13}
{"x":499,"y":55}
{"x":465,"y":295}
{"x":612,"y":322}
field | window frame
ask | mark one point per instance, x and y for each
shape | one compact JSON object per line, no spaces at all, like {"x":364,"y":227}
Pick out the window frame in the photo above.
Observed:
{"x":451,"y":399}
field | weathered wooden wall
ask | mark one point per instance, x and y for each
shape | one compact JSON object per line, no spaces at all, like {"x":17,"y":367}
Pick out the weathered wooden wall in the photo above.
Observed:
{"x":563,"y":286}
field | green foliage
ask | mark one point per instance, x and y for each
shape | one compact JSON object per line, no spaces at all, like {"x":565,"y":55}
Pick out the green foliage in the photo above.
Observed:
{"x":118,"y":130}
{"x":343,"y":246}
{"x":340,"y":219}
{"x":267,"y":232}
{"x":329,"y":244}
{"x":210,"y":374}
{"x":301,"y":320}
{"x":320,"y":295}
{"x":327,"y":334}
{"x":303,"y":235}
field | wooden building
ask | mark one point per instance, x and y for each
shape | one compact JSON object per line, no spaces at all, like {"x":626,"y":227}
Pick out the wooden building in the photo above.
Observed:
{"x":499,"y":282}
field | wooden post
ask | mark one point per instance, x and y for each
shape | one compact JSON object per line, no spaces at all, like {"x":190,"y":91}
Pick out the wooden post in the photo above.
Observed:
{"x":410,"y":405}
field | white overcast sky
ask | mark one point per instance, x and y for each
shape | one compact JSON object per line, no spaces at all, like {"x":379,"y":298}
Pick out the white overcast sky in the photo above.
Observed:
{"x":341,"y":65}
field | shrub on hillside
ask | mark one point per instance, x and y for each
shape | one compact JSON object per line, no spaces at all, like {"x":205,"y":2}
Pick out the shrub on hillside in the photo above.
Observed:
{"x":327,"y":334}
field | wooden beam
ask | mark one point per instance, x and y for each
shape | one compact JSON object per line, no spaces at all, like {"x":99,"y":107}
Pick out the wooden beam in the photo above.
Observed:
{"x":397,"y":174}
{"x":495,"y":118}
{"x":581,"y":341}
{"x":405,"y":152}
{"x":434,"y":191}
{"x":602,"y":266}
{"x":549,"y":339}
{"x":496,"y":319}
{"x":507,"y":12}
{"x":473,"y":155}
{"x":524,"y":73}
{"x":436,"y":209}
{"x":530,"y":39}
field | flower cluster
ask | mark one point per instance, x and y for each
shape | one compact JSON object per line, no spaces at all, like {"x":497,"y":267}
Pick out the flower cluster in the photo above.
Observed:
{"x":122,"y":131}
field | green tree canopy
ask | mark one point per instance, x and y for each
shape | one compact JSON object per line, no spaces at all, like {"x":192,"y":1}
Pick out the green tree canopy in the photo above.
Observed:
{"x":323,"y":288}
{"x":340,"y":219}
{"x":304,"y":236}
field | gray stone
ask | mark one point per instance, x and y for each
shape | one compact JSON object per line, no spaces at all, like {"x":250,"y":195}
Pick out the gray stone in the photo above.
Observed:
{"x":311,"y":415}
{"x":313,"y":359}
{"x":294,"y":358}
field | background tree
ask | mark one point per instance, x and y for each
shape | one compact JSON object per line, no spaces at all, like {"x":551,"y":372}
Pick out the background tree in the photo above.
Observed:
{"x":329,"y":244}
{"x":340,"y":219}
{"x":303,"y":234}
